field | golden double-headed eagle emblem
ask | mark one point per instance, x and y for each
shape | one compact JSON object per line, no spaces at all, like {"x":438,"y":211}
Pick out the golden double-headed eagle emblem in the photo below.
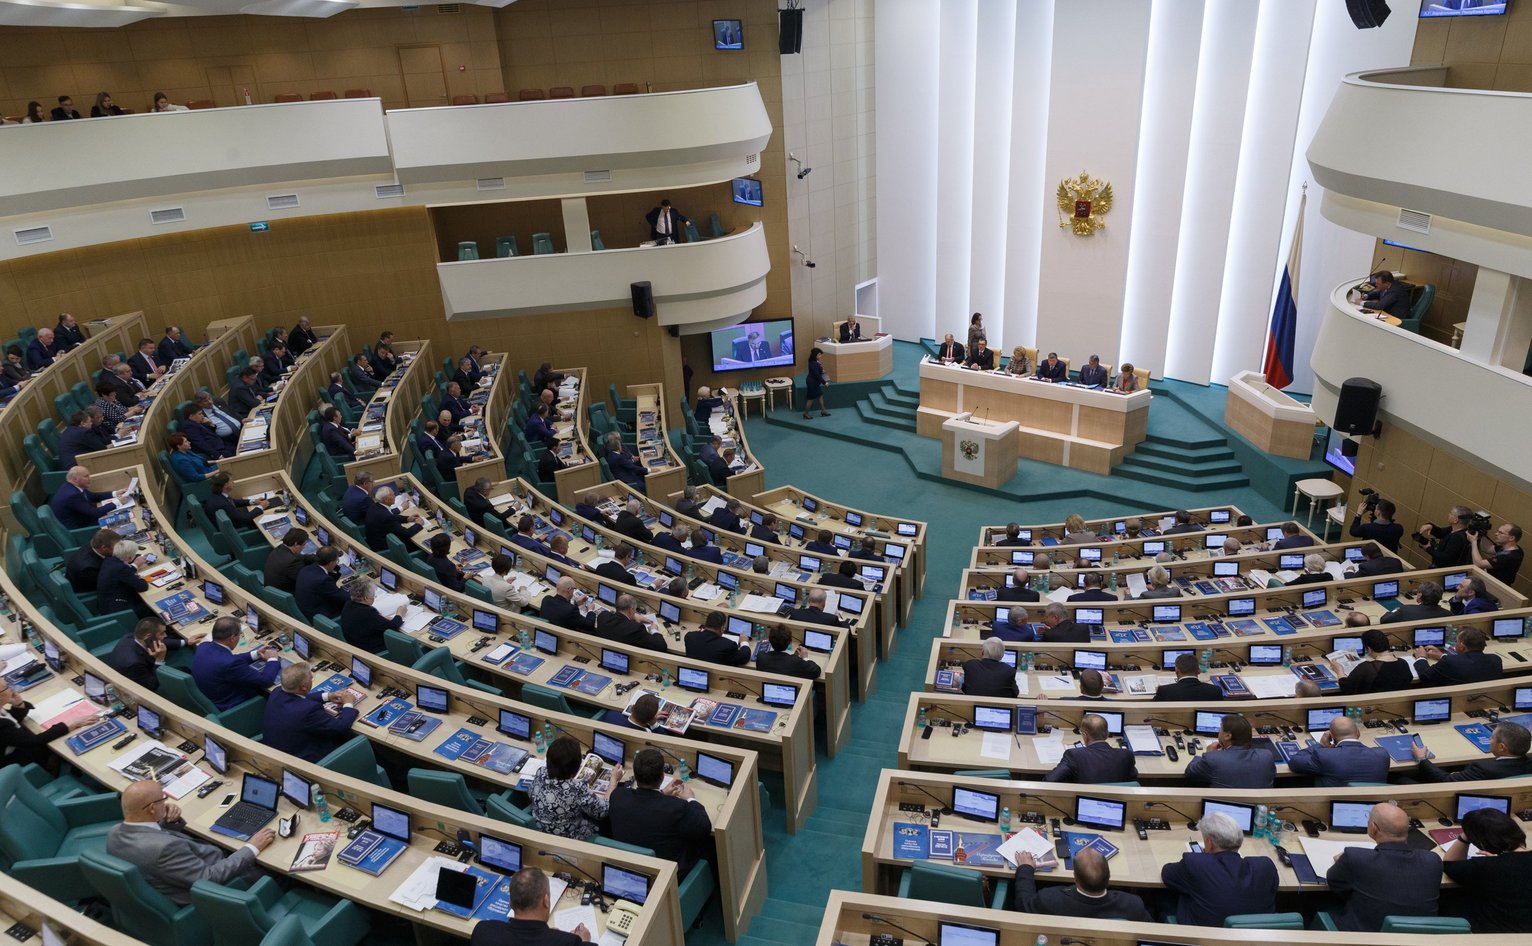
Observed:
{"x":1083,"y":202}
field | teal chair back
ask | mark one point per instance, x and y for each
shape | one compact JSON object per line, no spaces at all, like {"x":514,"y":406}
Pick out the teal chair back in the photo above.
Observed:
{"x":178,"y":687}
{"x":443,"y":788}
{"x":33,"y":826}
{"x":715,"y":226}
{"x":1264,"y":921}
{"x":1427,"y":925}
{"x":237,"y":917}
{"x":544,"y":698}
{"x":943,"y":883}
{"x":289,"y":931}
{"x":402,"y":648}
{"x":26,"y":514}
{"x":1419,"y":308}
{"x":983,"y":773}
{"x":438,"y":662}
{"x":467,"y":250}
{"x":501,"y":809}
{"x":138,"y":909}
{"x":692,"y":236}
{"x":595,"y":240}
{"x":505,"y":246}
{"x":355,"y":758}
{"x":49,"y":431}
{"x":542,"y":244}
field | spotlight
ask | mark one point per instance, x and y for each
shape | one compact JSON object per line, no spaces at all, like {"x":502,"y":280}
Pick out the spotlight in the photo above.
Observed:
{"x":803,"y":257}
{"x":803,"y":172}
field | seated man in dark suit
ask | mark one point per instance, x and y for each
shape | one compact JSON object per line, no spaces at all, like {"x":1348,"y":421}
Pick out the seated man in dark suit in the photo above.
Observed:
{"x":1388,"y":295}
{"x":1019,"y":588}
{"x":1508,"y":745}
{"x":448,"y":460}
{"x":980,"y":358}
{"x":75,"y":504}
{"x":1187,"y":688}
{"x":616,"y":567}
{"x":357,"y":498}
{"x":677,"y":540}
{"x":81,"y":436}
{"x":1467,"y":664}
{"x":440,"y":559}
{"x":1093,"y":374}
{"x":844,"y":576}
{"x":709,"y":643}
{"x":67,"y":334}
{"x":172,"y":347}
{"x":727,"y":516}
{"x":623,"y":626}
{"x":1472,"y":597}
{"x":242,"y":512}
{"x":227,"y":678}
{"x":1292,"y":538}
{"x":1391,"y":879}
{"x":145,"y":368}
{"x":706,"y":404}
{"x":1184,"y":524}
{"x":1013,"y":536}
{"x":1231,"y":761}
{"x":476,"y":501}
{"x":823,"y":543}
{"x":1427,"y":606}
{"x":850,"y":330}
{"x":315,"y":590}
{"x":362,"y":377}
{"x":1089,"y":897}
{"x":718,"y":467}
{"x":1051,"y":369}
{"x":702,"y":550}
{"x":1092,"y":683}
{"x":688,"y":504}
{"x":562,"y":607}
{"x":83,"y":568}
{"x":1218,"y":883}
{"x":1093,"y":590}
{"x":244,"y":396}
{"x":623,"y":464}
{"x":526,"y":526}
{"x":335,"y":438}
{"x":341,"y":396}
{"x":286,"y":560}
{"x":630,"y":522}
{"x":779,"y":658}
{"x":814,"y":611}
{"x":204,"y":439}
{"x":455,"y":404}
{"x":381,"y":521}
{"x":766,"y":529}
{"x":276,"y":364}
{"x":988,"y":675}
{"x":671,"y":822}
{"x":528,"y":925}
{"x":302,"y":336}
{"x":298,"y":721}
{"x":949,"y":351}
{"x":140,"y":651}
{"x":40,"y":351}
{"x":1375,"y":563}
{"x":1097,"y":761}
{"x":361,"y":624}
{"x":1060,"y":629}
{"x":1341,"y":757}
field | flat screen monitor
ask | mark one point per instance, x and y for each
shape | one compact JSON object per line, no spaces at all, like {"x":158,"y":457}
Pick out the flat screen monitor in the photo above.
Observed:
{"x":551,"y":575}
{"x":388,"y":580}
{"x":1243,"y":815}
{"x":1506,"y":628}
{"x":1226,"y":569}
{"x":666,"y":519}
{"x":992,"y":718}
{"x":586,"y":533}
{"x":608,"y":748}
{"x":1207,"y":723}
{"x":300,"y":646}
{"x":497,"y":854}
{"x":819,"y":641}
{"x":545,"y":641}
{"x":690,"y":678}
{"x":854,"y":519}
{"x":606,"y":594}
{"x":894,"y":551}
{"x":1167,"y":613}
{"x":149,"y":722}
{"x":785,"y":591}
{"x":1214,"y":542}
{"x":1273,"y":533}
{"x":1089,"y":616}
{"x":302,"y":515}
{"x":431,"y":699}
{"x":1240,"y":607}
{"x":471,"y":540}
{"x":1335,"y":450}
{"x":795,"y":531}
{"x":1437,"y":710}
{"x":1218,"y":517}
{"x":391,"y":822}
{"x":1090,"y":660}
{"x":1090,"y":554}
{"x":810,"y":504}
{"x":1080,"y":580}
{"x":714,"y":770}
{"x":1349,"y":644}
{"x":1021,"y":557}
{"x":1450,"y":582}
{"x":52,"y":656}
{"x":1522,"y":698}
{"x":670,"y":611}
{"x":214,"y":754}
{"x":213,"y":592}
{"x":753,"y":345}
{"x":1467,"y":803}
{"x":1461,"y":8}
{"x":740,"y":627}
{"x":620,"y":884}
{"x":1354,"y":554}
{"x":756,"y":518}
{"x":1168,"y":658}
{"x":557,"y":515}
{"x":253,"y":620}
{"x":1002,"y":616}
{"x":779,"y":694}
{"x":515,"y":724}
{"x":1265,"y":655}
{"x":1100,"y":812}
{"x":873,"y":573}
{"x":1113,"y":721}
{"x":486,"y":621}
{"x":1119,"y":527}
{"x":1290,"y":561}
{"x":673,"y":565}
{"x":850,"y":604}
{"x":614,"y":660}
{"x":907,"y":529}
{"x":1316,"y":598}
{"x":1385,"y":589}
{"x":809,"y":563}
{"x":727,"y":581}
{"x":297,"y":789}
{"x":322,"y":534}
{"x":949,"y":933}
{"x":1154,"y":547}
{"x":984,"y":806}
{"x":1319,"y":719}
{"x":1350,"y":816}
{"x":746,"y":190}
{"x":1430,"y":636}
{"x":95,"y":687}
{"x":842,"y":542}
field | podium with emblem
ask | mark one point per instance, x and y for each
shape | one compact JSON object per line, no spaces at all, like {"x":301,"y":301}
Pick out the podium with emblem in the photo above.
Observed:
{"x":977,"y":451}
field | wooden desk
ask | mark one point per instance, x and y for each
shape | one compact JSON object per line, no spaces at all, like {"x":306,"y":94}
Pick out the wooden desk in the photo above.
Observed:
{"x":1117,"y":526}
{"x":22,"y":904}
{"x":1063,"y":424}
{"x":287,"y":444}
{"x":1266,"y":417}
{"x":383,"y":434}
{"x":582,"y":471}
{"x":872,"y":357}
{"x":725,"y":424}
{"x":1182,"y":544}
{"x":666,"y":472}
{"x":979,"y":453}
{"x":493,"y":397}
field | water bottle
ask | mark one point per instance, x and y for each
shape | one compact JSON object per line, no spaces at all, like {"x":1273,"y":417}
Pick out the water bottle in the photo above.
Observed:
{"x":1026,"y":660}
{"x":1116,"y":555}
{"x":1451,"y":637}
{"x":1042,"y":939}
{"x":548,"y":733}
{"x":1262,"y":828}
{"x":920,"y":721}
{"x":537,"y":742}
{"x":1205,"y":660}
{"x":664,"y":678}
{"x":322,"y":805}
{"x":600,"y":543}
{"x":1287,"y":656}
{"x":684,"y":771}
{"x":523,"y":637}
{"x":1005,"y":820}
{"x":1112,"y":581}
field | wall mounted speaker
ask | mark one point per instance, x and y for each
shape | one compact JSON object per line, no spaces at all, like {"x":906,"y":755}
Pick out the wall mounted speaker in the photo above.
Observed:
{"x":1368,"y":14}
{"x":789,"y":31}
{"x":643,"y":299}
{"x":1356,"y":412}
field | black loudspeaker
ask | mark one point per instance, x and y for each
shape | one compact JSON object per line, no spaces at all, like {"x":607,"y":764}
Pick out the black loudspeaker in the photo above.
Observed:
{"x":1349,"y":448}
{"x":1357,"y":410}
{"x":643,"y":299}
{"x":1368,"y":14}
{"x":789,"y":31}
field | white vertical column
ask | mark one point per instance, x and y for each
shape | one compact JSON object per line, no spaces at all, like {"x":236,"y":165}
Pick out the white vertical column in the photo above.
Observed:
{"x":1170,"y":82}
{"x":1028,"y":196}
{"x":991,"y":165}
{"x":952,"y":214}
{"x":1499,"y":322}
{"x":906,"y":127}
{"x":576,"y":225}
{"x":1223,"y":76}
{"x":1256,"y":253}
{"x":1099,"y":51}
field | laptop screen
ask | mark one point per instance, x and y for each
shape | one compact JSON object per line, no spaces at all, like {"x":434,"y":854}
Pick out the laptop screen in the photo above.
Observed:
{"x":259,"y":791}
{"x":391,"y":822}
{"x":624,"y":884}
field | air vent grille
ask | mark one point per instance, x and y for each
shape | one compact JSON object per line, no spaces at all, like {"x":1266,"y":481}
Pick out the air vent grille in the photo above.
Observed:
{"x":388,"y":191}
{"x":1414,"y":221}
{"x":448,"y":8}
{"x":168,"y":215}
{"x":281,"y":201}
{"x":34,"y":235}
{"x":753,"y":158}
{"x":491,"y":183}
{"x":597,"y":177}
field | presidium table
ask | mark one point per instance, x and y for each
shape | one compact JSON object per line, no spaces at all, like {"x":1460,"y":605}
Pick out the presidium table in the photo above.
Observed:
{"x":1064,"y":424}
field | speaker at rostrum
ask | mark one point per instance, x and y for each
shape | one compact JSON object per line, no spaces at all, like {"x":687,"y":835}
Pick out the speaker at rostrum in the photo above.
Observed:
{"x":643,"y":299}
{"x":1357,"y":410}
{"x":1368,"y":14}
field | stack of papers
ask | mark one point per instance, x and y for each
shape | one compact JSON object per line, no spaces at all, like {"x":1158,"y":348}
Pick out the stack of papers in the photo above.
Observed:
{"x":1026,"y":841}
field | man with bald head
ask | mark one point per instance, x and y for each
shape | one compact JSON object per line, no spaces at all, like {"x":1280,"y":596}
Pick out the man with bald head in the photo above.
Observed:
{"x":1341,"y":757}
{"x":814,"y":611}
{"x":1097,"y":761}
{"x":1391,"y":879}
{"x":562,"y":607}
{"x":76,"y":505}
{"x":153,"y":838}
{"x":1020,"y":588}
{"x":1089,"y":897}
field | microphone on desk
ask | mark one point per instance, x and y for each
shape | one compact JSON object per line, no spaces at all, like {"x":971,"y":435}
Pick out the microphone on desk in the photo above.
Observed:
{"x":1319,"y":822}
{"x":946,"y":807}
{"x":1065,"y":720}
{"x":986,"y":416}
{"x":875,"y":918}
{"x":1445,"y":820}
{"x":667,"y":754}
{"x":581,"y":648}
{"x":600,"y":897}
{"x":1153,"y":664}
{"x":1191,"y":823}
{"x":742,"y":685}
{"x":1283,"y":719}
{"x":1185,"y":731}
{"x":1068,"y":818}
{"x":1238,"y":660}
{"x":955,"y":717}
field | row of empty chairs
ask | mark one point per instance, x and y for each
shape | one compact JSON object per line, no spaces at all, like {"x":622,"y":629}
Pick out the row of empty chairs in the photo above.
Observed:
{"x":323,"y":96}
{"x":542,"y":243}
{"x":538,"y":95}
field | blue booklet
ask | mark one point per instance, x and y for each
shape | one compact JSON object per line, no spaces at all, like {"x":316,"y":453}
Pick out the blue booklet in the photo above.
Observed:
{"x":1200,"y":631}
{"x":912,"y":842}
{"x":414,"y":725}
{"x":940,"y":842}
{"x":1398,"y":747}
{"x":1080,"y":840}
{"x":456,"y":744}
{"x":565,"y":677}
{"x":496,"y":906}
{"x":372,"y":852}
{"x":484,"y":884}
{"x":93,"y":736}
{"x":1476,"y":733}
{"x":1280,"y":626}
{"x":524,"y":663}
{"x":590,"y":683}
{"x":724,"y":715}
{"x":503,"y":757}
{"x":385,"y":715}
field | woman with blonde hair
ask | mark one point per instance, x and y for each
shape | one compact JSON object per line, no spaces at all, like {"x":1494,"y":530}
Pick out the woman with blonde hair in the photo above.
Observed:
{"x":1018,"y":364}
{"x":1127,"y":381}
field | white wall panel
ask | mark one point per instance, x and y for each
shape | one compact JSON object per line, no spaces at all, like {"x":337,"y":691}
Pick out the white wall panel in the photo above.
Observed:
{"x":991,"y":166}
{"x":1031,"y":74}
{"x":952,"y":213}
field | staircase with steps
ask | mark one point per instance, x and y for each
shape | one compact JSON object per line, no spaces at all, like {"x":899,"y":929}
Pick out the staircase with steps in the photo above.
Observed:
{"x":1201,"y":465}
{"x":889,"y":405}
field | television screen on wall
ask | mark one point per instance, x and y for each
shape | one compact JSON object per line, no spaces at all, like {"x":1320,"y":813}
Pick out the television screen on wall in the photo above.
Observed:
{"x":1459,"y":8}
{"x":753,"y":345}
{"x":747,"y":190}
{"x":728,"y":34}
{"x":1335,"y":454}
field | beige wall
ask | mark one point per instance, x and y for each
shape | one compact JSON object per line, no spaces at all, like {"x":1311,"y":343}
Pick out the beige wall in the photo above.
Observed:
{"x":1484,"y":52}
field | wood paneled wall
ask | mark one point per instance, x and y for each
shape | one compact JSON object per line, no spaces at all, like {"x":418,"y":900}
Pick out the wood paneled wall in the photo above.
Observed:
{"x":1484,"y":52}
{"x":1453,"y":279}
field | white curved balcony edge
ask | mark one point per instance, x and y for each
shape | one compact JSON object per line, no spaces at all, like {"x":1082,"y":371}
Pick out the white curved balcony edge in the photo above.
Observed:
{"x":71,"y":164}
{"x":1428,"y":388}
{"x":1392,"y":138}
{"x":692,"y":282}
{"x":564,"y":138}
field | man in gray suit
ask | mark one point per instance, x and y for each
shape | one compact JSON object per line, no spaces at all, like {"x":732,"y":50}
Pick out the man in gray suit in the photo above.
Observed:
{"x":153,"y":838}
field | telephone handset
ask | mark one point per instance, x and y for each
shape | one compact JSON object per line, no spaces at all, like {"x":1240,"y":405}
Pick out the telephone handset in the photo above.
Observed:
{"x":623,"y":915}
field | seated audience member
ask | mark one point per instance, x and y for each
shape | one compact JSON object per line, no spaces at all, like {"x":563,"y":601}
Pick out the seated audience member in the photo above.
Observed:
{"x":1075,"y":531}
{"x":1019,"y":588}
{"x":1232,"y":545}
{"x":362,"y":378}
{"x":844,"y":576}
{"x":761,"y":565}
{"x":384,"y":363}
{"x":1391,"y":879}
{"x":1388,"y":295}
{"x":530,"y":910}
{"x":1292,"y":538}
{"x":454,"y":403}
{"x":1093,"y":590}
{"x":341,"y":396}
{"x":128,"y":387}
{"x":227,"y":678}
{"x":1341,"y":758}
{"x":1375,"y":563}
{"x":780,"y":658}
{"x":677,"y":540}
{"x":987,"y":675}
{"x":766,"y":529}
{"x":153,"y":838}
{"x":34,"y":115}
{"x":1357,"y":619}
{"x":337,"y":440}
{"x":83,"y":568}
{"x":1188,"y":688}
{"x":1505,"y":563}
{"x":1157,"y":579}
{"x":145,"y":369}
{"x":1091,"y":686}
{"x":1051,"y":369}
{"x":140,"y":651}
{"x":204,"y":439}
{"x":1088,"y":897}
{"x":709,"y":643}
{"x":476,"y":501}
{"x":640,"y":715}
{"x":813,"y":611}
{"x":297,"y":721}
{"x":104,"y":107}
{"x":949,"y":351}
{"x":623,"y":464}
{"x":302,"y":337}
{"x":702,"y":549}
{"x":1383,"y":669}
{"x":616,"y":567}
{"x":562,"y":804}
{"x":630,"y":522}
{"x":980,"y":357}
{"x":119,"y":586}
{"x":1018,"y":364}
{"x":1059,"y":628}
{"x":1508,"y":745}
{"x":81,"y":436}
{"x":558,"y":550}
{"x":690,"y":502}
{"x":727,"y":516}
{"x":40,"y":351}
{"x":244,"y":513}
{"x":504,"y":593}
{"x":545,"y":375}
{"x":850,"y":330}
{"x":1427,"y":606}
{"x":67,"y":334}
{"x":624,"y":626}
{"x":1127,"y":379}
{"x":1013,"y":536}
{"x":1307,"y":690}
{"x":286,"y":560}
{"x":1093,"y":374}
{"x":823,"y":543}
{"x":1382,"y":529}
{"x":1313,"y":571}
{"x":1231,"y":761}
{"x":1472,"y":597}
{"x":15,"y":368}
{"x":356,"y":499}
{"x":1218,"y":883}
{"x":274,"y":368}
{"x":244,"y":396}
{"x":1491,"y":892}
{"x":672,"y":822}
{"x":440,"y":560}
{"x":316,"y":590}
{"x":162,"y":104}
{"x":706,"y":404}
{"x":75,"y":504}
{"x":524,"y":537}
{"x":172,"y":347}
{"x":561,"y":606}
{"x":1097,"y":761}
{"x":218,"y":414}
{"x":19,"y":745}
{"x":1468,"y":663}
{"x":361,"y":624}
{"x":381,"y":521}
{"x":1184,"y":524}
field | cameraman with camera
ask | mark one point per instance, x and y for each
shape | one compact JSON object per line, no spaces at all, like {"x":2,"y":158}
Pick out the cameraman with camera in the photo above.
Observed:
{"x":1505,"y":562}
{"x":1451,"y":545}
{"x":1380,"y":527}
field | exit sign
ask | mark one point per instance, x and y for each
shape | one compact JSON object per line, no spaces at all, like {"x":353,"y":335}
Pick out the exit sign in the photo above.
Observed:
{"x":260,"y":226}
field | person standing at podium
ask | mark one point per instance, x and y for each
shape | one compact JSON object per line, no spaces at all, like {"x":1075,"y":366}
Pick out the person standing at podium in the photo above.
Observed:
{"x":850,"y":330}
{"x":980,"y":357}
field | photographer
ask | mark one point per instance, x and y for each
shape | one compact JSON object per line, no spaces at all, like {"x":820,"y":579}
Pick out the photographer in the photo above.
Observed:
{"x":1449,"y":545}
{"x":1506,"y":562}
{"x":1380,"y":527}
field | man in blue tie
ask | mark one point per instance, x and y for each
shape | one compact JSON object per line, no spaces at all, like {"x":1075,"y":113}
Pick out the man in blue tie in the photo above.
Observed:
{"x":357,"y":498}
{"x":227,"y":678}
{"x":306,"y":724}
{"x":219,"y":417}
{"x":77,"y":505}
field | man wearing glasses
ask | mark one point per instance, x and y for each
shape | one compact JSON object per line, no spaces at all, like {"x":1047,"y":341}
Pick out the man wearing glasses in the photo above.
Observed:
{"x":153,"y":838}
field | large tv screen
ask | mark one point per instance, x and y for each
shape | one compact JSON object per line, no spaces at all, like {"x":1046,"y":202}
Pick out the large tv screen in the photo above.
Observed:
{"x":747,"y":190}
{"x":1461,"y":7}
{"x":753,"y":345}
{"x":1336,"y":457}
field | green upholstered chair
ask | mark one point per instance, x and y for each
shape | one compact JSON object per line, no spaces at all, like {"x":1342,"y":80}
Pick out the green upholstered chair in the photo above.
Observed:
{"x":696,"y":887}
{"x":448,"y":789}
{"x":402,"y":648}
{"x":246,"y":718}
{"x":505,"y":246}
{"x":692,"y":236}
{"x":542,"y":697}
{"x":501,"y":808}
{"x":288,"y":931}
{"x":440,"y":663}
{"x":138,"y":909}
{"x":1426,"y":925}
{"x":595,"y":240}
{"x":983,"y":773}
{"x":355,"y":758}
{"x":715,"y":226}
{"x":42,"y":839}
{"x":244,"y":917}
{"x":1419,"y":308}
{"x":542,"y":244}
{"x":47,"y":465}
{"x":467,"y":250}
{"x":1264,"y":921}
{"x":944,"y":883}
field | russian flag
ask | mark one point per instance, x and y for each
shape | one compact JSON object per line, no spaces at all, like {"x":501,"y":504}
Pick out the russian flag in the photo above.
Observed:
{"x":1284,"y":314}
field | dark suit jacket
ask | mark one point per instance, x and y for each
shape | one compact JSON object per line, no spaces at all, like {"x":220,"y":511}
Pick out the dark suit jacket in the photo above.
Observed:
{"x":1215,"y":886}
{"x":1395,"y":300}
{"x":1391,"y":879}
{"x":1483,"y":770}
{"x":1069,"y":901}
{"x":1188,"y":690}
{"x":1066,"y":632}
{"x":612,"y":570}
{"x":621,"y":629}
{"x":814,"y":616}
{"x":301,"y":339}
{"x":363,"y":626}
{"x":131,"y":660}
{"x":1053,"y":373}
{"x":77,"y":508}
{"x":354,"y":504}
{"x":1095,"y":377}
{"x":241,"y":512}
{"x":118,"y":587}
{"x":633,"y":527}
{"x":763,"y":534}
{"x":229,"y":679}
{"x":983,"y":360}
{"x":1234,"y":768}
{"x":1453,"y":668}
{"x":1384,"y":565}
{"x":83,"y":569}
{"x":556,"y":610}
{"x":1093,"y":764}
{"x":1093,"y":594}
{"x":678,"y":222}
{"x":704,"y":407}
{"x":143,"y":368}
{"x":705,"y":645}
{"x":1017,"y":594}
{"x":984,"y":677}
{"x":243,"y":399}
{"x":1414,"y":612}
{"x":953,"y":352}
{"x":74,"y":441}
{"x":625,"y":467}
{"x":706,"y":553}
{"x":837,"y":580}
{"x":724,"y":519}
{"x":718,"y":469}
{"x":301,"y":726}
{"x":1350,"y":761}
{"x":381,"y":522}
{"x":523,"y":933}
{"x":341,"y":397}
{"x":337,"y":442}
{"x":456,"y":406}
{"x":127,"y":392}
{"x":791,"y":665}
{"x":283,"y":566}
{"x":169,"y":350}
{"x":846,"y":334}
{"x":363,"y":380}
{"x":447,"y":572}
{"x":65,"y":338}
{"x":668,"y":542}
{"x":38,"y":356}
{"x":676,"y":829}
{"x":1299,"y":541}
{"x":317,"y":592}
{"x":478,"y":504}
{"x":447,"y":463}
{"x":205,"y":441}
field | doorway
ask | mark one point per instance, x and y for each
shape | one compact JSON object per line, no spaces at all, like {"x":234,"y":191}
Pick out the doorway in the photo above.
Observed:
{"x":425,"y":80}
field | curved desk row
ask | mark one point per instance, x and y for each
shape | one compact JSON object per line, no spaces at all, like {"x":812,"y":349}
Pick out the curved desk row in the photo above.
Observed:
{"x":382,"y":436}
{"x":285,"y":444}
{"x":1186,"y":544}
{"x":486,"y":459}
{"x":1118,"y":525}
